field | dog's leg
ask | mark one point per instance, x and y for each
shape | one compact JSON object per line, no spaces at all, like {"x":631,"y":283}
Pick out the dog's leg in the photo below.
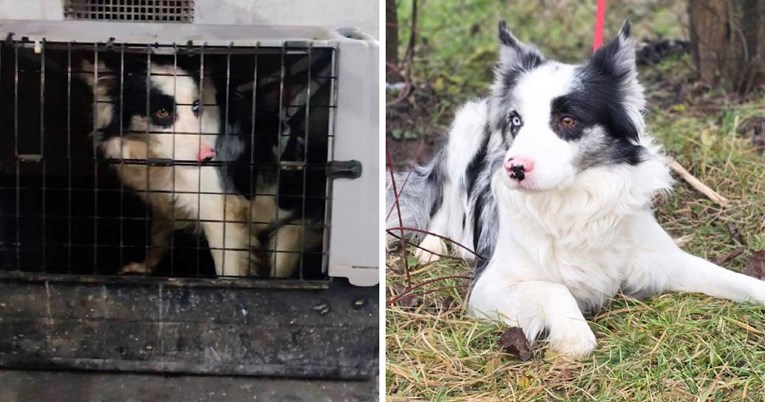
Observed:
{"x":222,"y":217}
{"x":697,"y":275}
{"x":534,"y":306}
{"x":288,"y":243}
{"x":227,"y":234}
{"x":161,"y":230}
{"x":666,"y":267}
{"x":431,"y":248}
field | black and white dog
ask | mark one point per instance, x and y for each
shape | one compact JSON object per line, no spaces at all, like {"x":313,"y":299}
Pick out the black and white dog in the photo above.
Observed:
{"x":551,"y":179}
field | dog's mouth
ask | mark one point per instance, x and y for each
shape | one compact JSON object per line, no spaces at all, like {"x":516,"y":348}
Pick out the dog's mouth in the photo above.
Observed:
{"x":524,"y":185}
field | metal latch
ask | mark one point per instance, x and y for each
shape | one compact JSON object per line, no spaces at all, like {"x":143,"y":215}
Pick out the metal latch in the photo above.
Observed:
{"x":344,"y":169}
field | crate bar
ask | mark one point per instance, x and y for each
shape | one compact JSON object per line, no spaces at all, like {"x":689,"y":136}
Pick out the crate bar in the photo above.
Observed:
{"x":199,"y":174}
{"x":107,"y":190}
{"x":252,"y":151}
{"x":69,"y":153}
{"x":149,"y":212}
{"x":16,"y":154}
{"x":42,"y":149}
{"x":172,"y":208}
{"x":225,"y":165}
{"x":168,"y":49}
{"x":95,"y":158}
{"x":279,"y":152}
{"x":121,"y":161}
{"x":136,"y":246}
{"x":139,"y":219}
{"x":307,"y":135}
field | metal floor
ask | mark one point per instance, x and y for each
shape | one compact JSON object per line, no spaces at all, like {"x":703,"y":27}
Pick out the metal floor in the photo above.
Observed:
{"x":63,"y":386}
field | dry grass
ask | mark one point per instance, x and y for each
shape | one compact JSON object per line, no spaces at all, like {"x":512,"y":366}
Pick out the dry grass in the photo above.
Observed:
{"x":677,"y":347}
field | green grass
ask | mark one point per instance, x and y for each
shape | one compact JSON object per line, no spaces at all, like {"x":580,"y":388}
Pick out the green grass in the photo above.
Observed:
{"x":675,"y":347}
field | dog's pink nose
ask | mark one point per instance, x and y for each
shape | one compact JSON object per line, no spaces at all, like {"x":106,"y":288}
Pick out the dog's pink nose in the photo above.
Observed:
{"x":206,"y":154}
{"x":518,"y":167}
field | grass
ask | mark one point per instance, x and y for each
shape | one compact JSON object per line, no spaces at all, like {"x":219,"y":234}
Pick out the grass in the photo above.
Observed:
{"x":673,"y":347}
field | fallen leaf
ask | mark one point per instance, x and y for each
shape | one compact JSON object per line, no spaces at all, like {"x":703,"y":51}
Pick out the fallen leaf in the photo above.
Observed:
{"x":758,"y":139}
{"x":756,"y":266}
{"x":404,"y":299}
{"x":513,"y":342}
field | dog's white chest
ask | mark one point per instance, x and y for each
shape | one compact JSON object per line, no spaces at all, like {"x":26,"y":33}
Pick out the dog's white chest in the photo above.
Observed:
{"x":582,"y":245}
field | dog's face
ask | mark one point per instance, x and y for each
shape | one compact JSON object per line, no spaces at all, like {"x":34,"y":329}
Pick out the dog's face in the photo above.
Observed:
{"x":165,"y":109}
{"x":560,"y":120}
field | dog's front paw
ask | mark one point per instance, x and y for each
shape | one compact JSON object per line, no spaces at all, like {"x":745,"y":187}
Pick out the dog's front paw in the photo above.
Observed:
{"x":257,"y":262}
{"x":572,"y":341}
{"x":135,"y":268}
{"x":430,"y":249}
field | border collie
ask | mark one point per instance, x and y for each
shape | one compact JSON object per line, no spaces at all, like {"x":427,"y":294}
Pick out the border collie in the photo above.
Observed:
{"x":174,"y":123}
{"x":551,"y":179}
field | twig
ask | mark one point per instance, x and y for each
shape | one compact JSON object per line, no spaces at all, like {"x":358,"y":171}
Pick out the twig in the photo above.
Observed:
{"x":417,"y":154}
{"x":698,"y":185}
{"x":729,"y":256}
{"x":402,"y":229}
{"x":409,"y":289}
{"x":400,"y":221}
{"x":408,"y":59}
{"x":407,"y":84}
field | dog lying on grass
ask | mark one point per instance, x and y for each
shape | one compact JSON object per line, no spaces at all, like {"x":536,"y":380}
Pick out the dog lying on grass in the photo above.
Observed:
{"x":551,"y":179}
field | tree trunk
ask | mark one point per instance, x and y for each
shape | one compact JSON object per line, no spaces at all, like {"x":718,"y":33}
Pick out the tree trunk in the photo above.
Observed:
{"x":391,"y":35}
{"x":727,"y":43}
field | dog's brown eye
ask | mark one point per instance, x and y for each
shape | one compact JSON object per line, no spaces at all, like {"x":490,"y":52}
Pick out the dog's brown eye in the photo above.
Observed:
{"x":162,"y":113}
{"x":567,"y":121}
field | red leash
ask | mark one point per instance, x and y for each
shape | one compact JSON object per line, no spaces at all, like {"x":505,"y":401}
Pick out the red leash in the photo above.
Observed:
{"x":599,"y":18}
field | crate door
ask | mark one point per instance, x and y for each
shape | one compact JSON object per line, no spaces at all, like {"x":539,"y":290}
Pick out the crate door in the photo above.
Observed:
{"x":354,"y":235}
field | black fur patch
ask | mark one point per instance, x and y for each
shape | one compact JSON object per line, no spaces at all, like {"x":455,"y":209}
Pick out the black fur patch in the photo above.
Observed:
{"x":480,"y":201}
{"x":134,"y":103}
{"x":437,"y":179}
{"x":598,"y":100}
{"x":478,"y":163}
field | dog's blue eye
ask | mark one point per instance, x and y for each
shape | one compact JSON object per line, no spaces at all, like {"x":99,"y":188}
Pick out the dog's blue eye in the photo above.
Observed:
{"x":195,"y":106}
{"x":516,"y":121}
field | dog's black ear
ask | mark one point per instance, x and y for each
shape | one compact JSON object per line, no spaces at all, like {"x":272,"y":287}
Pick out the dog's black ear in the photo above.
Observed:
{"x":617,"y":57}
{"x":514,"y":53}
{"x":614,"y":64}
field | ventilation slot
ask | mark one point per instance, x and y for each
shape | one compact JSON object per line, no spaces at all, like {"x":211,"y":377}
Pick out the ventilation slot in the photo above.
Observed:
{"x":130,"y":10}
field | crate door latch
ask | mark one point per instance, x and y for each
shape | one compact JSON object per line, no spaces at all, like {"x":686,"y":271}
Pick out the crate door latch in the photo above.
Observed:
{"x":344,"y":169}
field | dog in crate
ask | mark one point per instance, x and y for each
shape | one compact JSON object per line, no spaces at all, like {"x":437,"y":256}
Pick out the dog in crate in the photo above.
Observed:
{"x":250,"y":231}
{"x":160,"y":123}
{"x":281,"y":120}
{"x":551,"y":179}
